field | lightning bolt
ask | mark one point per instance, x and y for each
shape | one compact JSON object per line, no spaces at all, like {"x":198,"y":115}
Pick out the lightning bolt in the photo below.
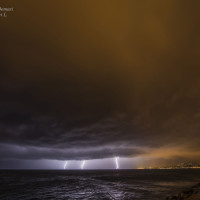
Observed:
{"x":116,"y":162}
{"x":65,"y":165}
{"x":82,"y":164}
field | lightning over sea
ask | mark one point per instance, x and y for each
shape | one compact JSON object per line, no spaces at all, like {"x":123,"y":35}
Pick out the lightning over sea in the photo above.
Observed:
{"x":99,"y":99}
{"x":65,"y":165}
{"x":117,"y":162}
{"x":83,"y":164}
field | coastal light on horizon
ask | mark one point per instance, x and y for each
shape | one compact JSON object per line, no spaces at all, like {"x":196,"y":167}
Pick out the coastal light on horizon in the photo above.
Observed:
{"x":116,"y":162}
{"x":82,"y":164}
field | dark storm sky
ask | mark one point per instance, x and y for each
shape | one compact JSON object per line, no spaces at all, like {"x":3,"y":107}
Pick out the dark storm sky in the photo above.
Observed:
{"x":96,"y":79}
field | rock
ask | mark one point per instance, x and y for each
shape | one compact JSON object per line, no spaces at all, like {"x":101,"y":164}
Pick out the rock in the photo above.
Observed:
{"x":172,"y":198}
{"x":180,"y":196}
{"x":196,"y":186}
{"x":188,"y":192}
{"x":192,"y":194}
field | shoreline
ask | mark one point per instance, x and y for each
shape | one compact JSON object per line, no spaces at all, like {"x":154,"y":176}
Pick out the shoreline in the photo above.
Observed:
{"x":192,"y":193}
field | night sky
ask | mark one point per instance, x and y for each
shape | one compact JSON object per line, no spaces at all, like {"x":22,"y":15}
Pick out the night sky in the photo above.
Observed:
{"x":84,"y":80}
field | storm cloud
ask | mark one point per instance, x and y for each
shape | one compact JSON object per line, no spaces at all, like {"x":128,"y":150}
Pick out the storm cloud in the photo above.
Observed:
{"x":96,"y":79}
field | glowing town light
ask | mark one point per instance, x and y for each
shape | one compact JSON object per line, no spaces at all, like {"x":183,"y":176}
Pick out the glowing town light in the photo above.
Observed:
{"x":116,"y":162}
{"x":82,"y":164}
{"x":65,"y":165}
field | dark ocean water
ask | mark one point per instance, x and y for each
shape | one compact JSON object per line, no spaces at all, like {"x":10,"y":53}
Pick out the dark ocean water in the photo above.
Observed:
{"x":108,"y":184}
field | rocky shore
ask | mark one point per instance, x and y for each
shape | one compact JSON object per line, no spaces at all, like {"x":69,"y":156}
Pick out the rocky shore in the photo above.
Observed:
{"x":191,"y":194}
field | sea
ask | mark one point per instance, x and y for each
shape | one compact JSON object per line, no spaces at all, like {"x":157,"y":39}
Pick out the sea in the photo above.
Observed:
{"x":95,"y":184}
